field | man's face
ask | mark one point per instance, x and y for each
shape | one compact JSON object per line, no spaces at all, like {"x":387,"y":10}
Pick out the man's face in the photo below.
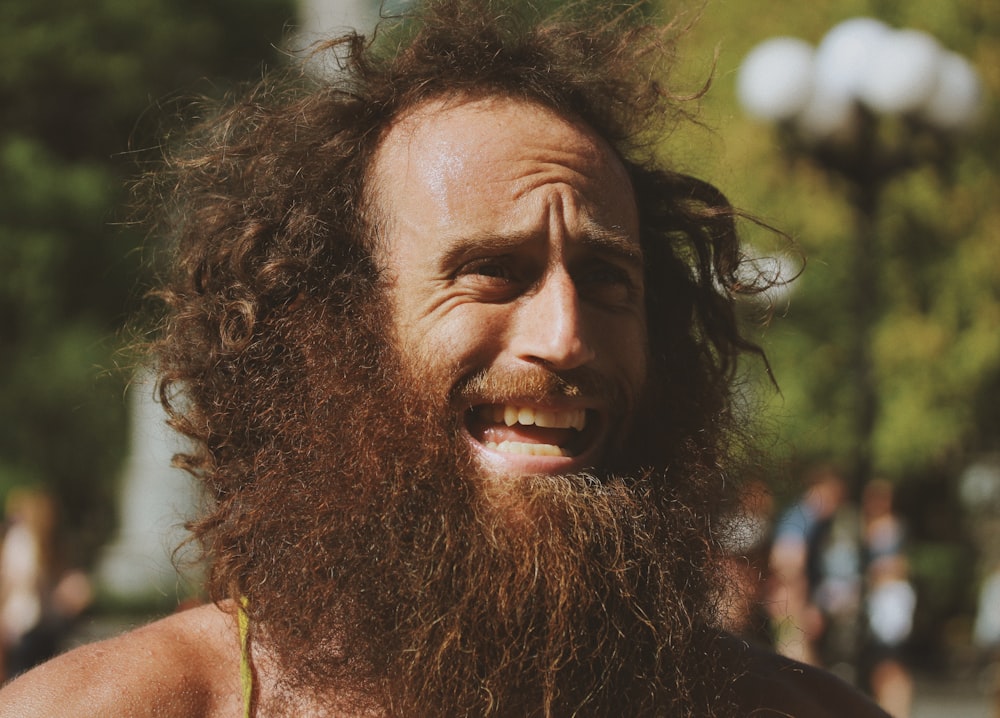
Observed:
{"x":512,"y":253}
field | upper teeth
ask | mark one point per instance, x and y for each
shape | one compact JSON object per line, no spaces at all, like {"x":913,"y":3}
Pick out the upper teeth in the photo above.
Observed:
{"x":526,"y":416}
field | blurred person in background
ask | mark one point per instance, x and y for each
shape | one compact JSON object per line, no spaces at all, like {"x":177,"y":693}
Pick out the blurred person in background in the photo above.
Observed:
{"x":986,"y":632}
{"x":814,"y":591}
{"x":39,"y":601}
{"x":890,"y":601}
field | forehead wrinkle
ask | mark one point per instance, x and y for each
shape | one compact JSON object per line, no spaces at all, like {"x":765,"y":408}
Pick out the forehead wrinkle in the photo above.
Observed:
{"x":581,"y":162}
{"x":594,"y":237}
{"x":546,"y":164}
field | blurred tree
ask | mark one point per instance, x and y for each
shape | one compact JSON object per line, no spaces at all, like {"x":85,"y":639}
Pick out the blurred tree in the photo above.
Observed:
{"x":76,"y":81}
{"x":936,"y":335}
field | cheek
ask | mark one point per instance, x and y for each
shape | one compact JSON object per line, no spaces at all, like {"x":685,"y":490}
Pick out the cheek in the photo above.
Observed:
{"x":639,"y":366}
{"x":630,"y":353}
{"x":461,"y":341}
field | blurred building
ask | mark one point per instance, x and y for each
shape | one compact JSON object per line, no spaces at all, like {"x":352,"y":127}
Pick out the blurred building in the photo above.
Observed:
{"x":155,"y":500}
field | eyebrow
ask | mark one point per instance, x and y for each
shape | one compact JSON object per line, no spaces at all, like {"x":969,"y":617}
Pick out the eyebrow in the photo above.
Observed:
{"x":613,"y":241}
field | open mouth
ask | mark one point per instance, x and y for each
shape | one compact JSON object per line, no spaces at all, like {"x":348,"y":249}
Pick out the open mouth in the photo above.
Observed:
{"x":532,"y":431}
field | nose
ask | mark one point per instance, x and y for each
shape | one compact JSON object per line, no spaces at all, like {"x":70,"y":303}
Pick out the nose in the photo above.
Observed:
{"x":551,"y":328}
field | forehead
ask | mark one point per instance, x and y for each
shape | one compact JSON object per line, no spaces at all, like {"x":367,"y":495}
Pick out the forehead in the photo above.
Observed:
{"x":473,"y":157}
{"x":483,"y":127}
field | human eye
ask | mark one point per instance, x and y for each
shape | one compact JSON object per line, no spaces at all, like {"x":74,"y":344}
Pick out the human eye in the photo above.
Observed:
{"x":490,"y":278}
{"x":491,"y":268}
{"x":605,"y":282}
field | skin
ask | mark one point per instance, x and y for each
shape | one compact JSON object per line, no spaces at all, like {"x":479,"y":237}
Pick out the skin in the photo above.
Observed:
{"x":183,"y":666}
{"x":512,"y":246}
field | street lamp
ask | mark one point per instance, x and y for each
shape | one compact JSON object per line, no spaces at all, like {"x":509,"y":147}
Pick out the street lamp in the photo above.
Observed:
{"x":861,"y":64}
{"x":867,"y":104}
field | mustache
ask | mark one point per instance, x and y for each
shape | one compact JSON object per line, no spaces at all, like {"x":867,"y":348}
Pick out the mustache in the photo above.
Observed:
{"x":496,"y":385}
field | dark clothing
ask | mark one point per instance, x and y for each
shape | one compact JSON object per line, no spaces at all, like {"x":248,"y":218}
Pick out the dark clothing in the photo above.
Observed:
{"x":773,"y":686}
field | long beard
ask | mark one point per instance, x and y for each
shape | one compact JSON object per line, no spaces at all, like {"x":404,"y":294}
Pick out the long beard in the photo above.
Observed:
{"x":569,"y":607}
{"x":382,"y":573}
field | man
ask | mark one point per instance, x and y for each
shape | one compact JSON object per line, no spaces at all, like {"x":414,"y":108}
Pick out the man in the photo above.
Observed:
{"x":815,"y":582}
{"x":457,"y":362}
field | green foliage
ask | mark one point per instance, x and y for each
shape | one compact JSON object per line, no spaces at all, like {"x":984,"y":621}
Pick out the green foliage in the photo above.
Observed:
{"x":81,"y":92}
{"x":84,"y":92}
{"x":936,"y":336}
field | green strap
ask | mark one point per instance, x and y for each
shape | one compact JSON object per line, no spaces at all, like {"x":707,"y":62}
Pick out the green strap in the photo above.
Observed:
{"x":246,"y":672}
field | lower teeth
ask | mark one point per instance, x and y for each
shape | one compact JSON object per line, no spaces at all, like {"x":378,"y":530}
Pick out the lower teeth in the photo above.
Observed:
{"x":520,"y":447}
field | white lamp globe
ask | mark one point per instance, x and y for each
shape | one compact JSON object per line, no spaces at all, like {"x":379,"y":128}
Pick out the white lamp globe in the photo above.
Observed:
{"x":775,"y":79}
{"x":903,"y":73}
{"x":843,"y":56}
{"x":957,"y":99}
{"x":828,"y":115}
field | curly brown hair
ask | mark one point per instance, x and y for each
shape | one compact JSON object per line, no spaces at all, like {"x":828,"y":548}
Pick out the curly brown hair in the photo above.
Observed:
{"x":266,"y":207}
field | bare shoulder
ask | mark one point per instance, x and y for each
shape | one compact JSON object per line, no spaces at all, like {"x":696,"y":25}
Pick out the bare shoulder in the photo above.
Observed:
{"x":183,"y":666}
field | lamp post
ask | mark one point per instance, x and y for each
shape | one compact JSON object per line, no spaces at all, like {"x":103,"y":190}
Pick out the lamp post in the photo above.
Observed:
{"x":867,"y":104}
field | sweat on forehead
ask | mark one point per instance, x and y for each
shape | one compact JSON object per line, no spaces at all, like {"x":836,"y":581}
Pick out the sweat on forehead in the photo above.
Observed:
{"x":484,"y":142}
